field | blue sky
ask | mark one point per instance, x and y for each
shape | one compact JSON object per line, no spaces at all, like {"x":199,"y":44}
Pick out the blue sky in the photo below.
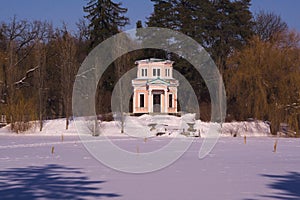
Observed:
{"x":70,"y":11}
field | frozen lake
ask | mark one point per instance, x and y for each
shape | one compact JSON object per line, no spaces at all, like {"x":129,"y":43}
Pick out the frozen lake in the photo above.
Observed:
{"x":233,"y":170}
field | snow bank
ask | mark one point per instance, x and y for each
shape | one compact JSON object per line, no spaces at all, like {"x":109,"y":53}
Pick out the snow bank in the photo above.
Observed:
{"x":255,"y":128}
{"x":50,"y":127}
{"x":167,"y":125}
{"x":237,"y":129}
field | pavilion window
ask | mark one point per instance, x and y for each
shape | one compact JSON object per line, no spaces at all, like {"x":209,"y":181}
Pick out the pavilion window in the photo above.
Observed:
{"x":144,"y":72}
{"x":170,"y":101}
{"x":156,"y":72}
{"x":142,"y":100}
{"x":167,"y":72}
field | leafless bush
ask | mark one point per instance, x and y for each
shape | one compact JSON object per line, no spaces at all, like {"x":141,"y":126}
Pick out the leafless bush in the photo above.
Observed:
{"x":22,"y":114}
{"x":20,"y":127}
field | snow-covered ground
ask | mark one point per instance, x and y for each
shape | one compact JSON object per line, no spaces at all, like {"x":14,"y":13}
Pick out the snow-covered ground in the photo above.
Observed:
{"x":233,"y":170}
{"x":171,"y":125}
{"x":45,"y":165}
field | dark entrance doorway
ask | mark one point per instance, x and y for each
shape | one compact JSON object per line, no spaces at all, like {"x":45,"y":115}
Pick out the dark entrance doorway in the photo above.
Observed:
{"x":156,"y":103}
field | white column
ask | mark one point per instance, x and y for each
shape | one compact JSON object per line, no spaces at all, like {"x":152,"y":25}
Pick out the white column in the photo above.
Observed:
{"x":134,"y":96}
{"x":166,"y":100}
{"x":175,"y":99}
{"x":149,"y":101}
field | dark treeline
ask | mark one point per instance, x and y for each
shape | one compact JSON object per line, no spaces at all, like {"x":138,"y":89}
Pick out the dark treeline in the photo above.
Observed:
{"x":257,"y":55}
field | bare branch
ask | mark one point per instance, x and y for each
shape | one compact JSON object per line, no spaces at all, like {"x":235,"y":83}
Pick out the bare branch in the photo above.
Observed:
{"x":21,"y":83}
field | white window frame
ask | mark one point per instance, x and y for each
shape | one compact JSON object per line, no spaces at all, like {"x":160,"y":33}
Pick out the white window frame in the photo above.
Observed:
{"x":144,"y":72}
{"x":167,"y":72}
{"x":156,"y":70}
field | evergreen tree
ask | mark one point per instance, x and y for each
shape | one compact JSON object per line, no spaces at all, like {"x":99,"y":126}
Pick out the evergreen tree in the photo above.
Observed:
{"x":139,"y":24}
{"x":219,"y":25}
{"x":164,"y":14}
{"x":231,"y":27}
{"x":106,"y":18}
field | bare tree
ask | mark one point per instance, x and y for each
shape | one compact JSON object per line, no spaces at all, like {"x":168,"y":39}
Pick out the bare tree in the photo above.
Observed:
{"x":268,"y":24}
{"x":69,"y":66}
{"x":41,"y":61}
{"x":22,"y":56}
{"x":263,"y":81}
{"x":83,"y":30}
{"x":18,"y":43}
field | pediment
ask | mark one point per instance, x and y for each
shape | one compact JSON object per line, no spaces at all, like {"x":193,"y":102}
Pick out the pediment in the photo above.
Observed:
{"x":158,"y":81}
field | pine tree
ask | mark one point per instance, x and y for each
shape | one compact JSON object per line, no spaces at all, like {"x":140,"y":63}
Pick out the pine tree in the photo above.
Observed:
{"x":139,"y":24}
{"x":106,"y":18}
{"x":219,"y":25}
{"x":230,"y":29}
{"x":164,"y":14}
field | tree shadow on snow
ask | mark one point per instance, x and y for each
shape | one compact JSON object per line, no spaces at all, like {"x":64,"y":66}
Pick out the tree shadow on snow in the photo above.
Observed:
{"x":288,"y":186}
{"x":49,"y":182}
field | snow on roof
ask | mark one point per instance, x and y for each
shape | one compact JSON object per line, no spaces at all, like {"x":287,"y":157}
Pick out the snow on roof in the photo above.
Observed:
{"x":151,"y":60}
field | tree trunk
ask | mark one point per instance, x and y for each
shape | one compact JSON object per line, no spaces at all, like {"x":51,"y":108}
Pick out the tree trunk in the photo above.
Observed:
{"x":67,"y":122}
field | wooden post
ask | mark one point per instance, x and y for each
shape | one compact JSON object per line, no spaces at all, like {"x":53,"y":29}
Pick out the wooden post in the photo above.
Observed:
{"x":275,"y":146}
